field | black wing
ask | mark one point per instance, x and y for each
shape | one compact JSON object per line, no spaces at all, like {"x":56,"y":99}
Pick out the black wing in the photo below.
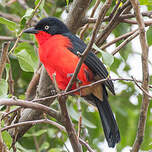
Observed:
{"x":92,"y":61}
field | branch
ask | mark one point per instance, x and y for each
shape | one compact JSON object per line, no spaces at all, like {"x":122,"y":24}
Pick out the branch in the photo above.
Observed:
{"x":142,"y":88}
{"x":77,"y":14}
{"x":145,"y":99}
{"x":3,"y":58}
{"x":34,"y":122}
{"x":122,"y":18}
{"x":147,"y":14}
{"x":111,"y":25}
{"x":86,"y":145}
{"x":67,"y":122}
{"x":68,"y":125}
{"x":9,"y":38}
{"x":10,"y":17}
{"x":147,"y":23}
{"x":27,"y":104}
{"x":125,"y":42}
{"x":83,"y":87}
{"x":124,"y":36}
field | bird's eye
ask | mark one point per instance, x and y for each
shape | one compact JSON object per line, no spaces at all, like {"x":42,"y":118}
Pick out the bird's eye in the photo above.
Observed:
{"x":46,"y":27}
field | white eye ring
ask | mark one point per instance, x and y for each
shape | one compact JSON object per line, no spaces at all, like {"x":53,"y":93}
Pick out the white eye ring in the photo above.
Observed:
{"x":46,"y":27}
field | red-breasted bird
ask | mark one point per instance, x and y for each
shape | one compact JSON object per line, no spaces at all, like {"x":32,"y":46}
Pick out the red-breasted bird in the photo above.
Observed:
{"x":58,"y":51}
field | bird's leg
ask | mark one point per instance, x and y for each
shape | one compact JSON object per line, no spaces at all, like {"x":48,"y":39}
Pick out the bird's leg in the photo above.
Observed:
{"x":79,"y":54}
{"x":69,"y":75}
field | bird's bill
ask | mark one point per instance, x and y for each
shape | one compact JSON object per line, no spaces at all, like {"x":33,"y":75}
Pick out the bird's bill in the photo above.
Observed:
{"x":31,"y":30}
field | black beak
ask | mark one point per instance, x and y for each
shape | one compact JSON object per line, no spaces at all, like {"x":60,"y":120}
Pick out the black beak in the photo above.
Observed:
{"x":31,"y":30}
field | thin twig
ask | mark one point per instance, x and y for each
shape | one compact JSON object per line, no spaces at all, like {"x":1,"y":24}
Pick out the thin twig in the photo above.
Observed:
{"x":125,"y":42}
{"x":145,"y":99}
{"x":92,"y":14}
{"x":3,"y":58}
{"x":12,"y":111}
{"x":9,"y":38}
{"x":141,"y":88}
{"x":28,"y":22}
{"x":121,"y":19}
{"x":86,"y":145}
{"x":122,"y":37}
{"x":82,"y":87}
{"x":34,"y":122}
{"x":147,"y":23}
{"x":11,"y":17}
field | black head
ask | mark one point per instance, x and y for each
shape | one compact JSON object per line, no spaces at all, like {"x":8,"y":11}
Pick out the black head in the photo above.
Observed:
{"x":50,"y":25}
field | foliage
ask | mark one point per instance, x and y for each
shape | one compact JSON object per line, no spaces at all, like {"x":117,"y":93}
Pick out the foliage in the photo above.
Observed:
{"x":24,"y":62}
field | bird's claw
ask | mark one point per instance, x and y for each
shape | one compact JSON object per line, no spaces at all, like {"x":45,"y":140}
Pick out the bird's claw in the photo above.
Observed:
{"x":53,"y":92}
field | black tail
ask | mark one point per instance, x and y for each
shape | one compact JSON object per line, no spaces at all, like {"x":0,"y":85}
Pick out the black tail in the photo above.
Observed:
{"x":109,"y":124}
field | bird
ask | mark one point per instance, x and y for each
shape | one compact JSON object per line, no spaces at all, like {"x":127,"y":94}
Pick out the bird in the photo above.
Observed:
{"x":59,"y":51}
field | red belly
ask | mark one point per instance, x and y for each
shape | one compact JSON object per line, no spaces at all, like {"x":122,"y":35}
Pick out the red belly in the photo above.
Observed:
{"x":58,"y":59}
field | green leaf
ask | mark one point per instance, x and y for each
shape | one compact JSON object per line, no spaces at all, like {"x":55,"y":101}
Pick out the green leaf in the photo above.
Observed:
{"x":24,"y":61}
{"x":38,"y":133}
{"x":12,"y":26}
{"x":149,"y":36}
{"x":76,"y":115}
{"x":36,"y":2}
{"x":45,"y":145}
{"x":107,"y":58}
{"x":20,"y":148}
{"x":3,"y":88}
{"x":27,"y":15}
{"x":51,"y":132}
{"x":7,"y":138}
{"x":27,"y":57}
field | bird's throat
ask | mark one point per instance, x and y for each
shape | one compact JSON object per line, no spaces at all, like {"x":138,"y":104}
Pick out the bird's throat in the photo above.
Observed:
{"x":42,"y":37}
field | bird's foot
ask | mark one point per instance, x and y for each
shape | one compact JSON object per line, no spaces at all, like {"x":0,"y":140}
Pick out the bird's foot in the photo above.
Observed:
{"x":69,"y":75}
{"x":53,"y":92}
